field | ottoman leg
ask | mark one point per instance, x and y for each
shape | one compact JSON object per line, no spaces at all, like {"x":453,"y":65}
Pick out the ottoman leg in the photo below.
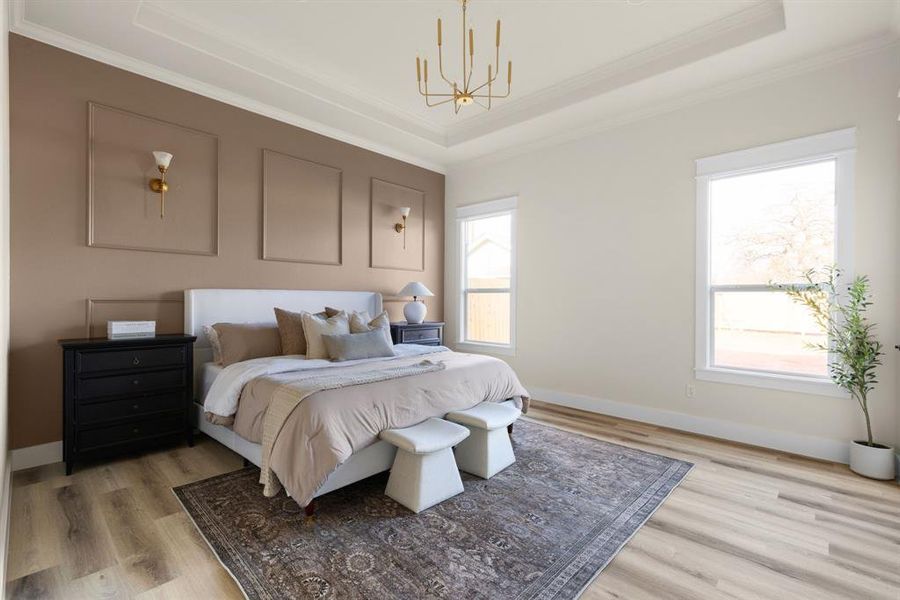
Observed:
{"x":419,"y":481}
{"x":485,"y":453}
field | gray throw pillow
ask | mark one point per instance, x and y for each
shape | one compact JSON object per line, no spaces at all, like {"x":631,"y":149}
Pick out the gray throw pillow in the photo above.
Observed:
{"x":354,"y":346}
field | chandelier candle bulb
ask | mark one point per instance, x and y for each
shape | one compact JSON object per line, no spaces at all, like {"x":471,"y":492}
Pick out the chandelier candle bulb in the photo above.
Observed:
{"x":471,"y":42}
{"x":498,"y":33}
{"x":439,"y":32}
{"x":418,"y":69}
{"x":508,"y":73}
{"x":426,"y":70}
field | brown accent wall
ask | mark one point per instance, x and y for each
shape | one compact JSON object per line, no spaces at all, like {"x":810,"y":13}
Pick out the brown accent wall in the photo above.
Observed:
{"x":62,"y":287}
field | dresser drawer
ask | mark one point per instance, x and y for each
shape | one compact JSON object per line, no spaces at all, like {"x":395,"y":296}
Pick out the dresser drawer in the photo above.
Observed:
{"x":135,"y":358}
{"x":423,"y":334}
{"x":127,"y":432}
{"x":98,"y":412}
{"x":137,"y":383}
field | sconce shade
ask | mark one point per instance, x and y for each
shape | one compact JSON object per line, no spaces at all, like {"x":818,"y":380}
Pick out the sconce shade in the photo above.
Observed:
{"x":162,"y":158}
{"x":404,"y":211}
{"x":415,"y":288}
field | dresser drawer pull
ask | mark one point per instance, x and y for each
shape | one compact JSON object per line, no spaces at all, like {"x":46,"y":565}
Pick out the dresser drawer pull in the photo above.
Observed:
{"x":136,"y":430}
{"x":136,"y":361}
{"x":135,"y":406}
{"x":136,"y":381}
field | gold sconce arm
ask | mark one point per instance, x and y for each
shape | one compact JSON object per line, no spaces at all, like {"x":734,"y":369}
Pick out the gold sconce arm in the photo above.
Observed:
{"x":401,"y":227}
{"x":160,"y":186}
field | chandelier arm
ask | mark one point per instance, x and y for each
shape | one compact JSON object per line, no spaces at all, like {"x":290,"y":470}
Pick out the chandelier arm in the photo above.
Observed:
{"x":464,"y":78}
{"x":428,"y":104}
{"x":506,"y":95}
{"x":441,"y":66}
{"x":488,"y":82}
{"x":428,"y":94}
{"x":491,"y":96}
{"x":485,"y":107}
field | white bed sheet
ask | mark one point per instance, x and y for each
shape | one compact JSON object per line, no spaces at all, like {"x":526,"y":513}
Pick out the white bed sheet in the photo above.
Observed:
{"x":208,"y":373}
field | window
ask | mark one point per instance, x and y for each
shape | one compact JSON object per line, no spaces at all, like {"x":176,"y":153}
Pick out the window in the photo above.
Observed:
{"x":765,"y":215}
{"x":487,"y":242}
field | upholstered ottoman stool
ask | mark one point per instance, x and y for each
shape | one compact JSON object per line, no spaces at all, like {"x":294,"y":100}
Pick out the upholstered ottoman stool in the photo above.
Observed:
{"x":488,"y":450}
{"x":424,"y":472}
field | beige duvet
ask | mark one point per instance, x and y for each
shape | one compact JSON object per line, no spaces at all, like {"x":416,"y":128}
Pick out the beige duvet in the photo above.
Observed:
{"x":306,"y":434}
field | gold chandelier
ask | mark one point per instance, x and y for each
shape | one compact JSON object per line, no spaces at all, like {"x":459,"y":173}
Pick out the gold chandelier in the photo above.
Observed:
{"x":465,"y":94}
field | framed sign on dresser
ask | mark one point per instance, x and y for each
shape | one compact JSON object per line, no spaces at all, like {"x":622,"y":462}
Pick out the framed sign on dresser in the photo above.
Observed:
{"x":122,"y":395}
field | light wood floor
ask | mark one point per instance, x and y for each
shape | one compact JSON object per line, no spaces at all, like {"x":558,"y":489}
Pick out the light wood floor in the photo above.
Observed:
{"x":745,"y":523}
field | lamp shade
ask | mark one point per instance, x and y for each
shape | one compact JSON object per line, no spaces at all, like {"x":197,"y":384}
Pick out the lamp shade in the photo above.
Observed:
{"x":415,"y":288}
{"x":162,"y":158}
{"x":404,"y":211}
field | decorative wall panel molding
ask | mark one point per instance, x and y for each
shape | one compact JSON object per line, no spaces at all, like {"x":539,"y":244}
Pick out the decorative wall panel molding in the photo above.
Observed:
{"x":387,"y":251}
{"x":123,"y":212}
{"x":167,"y":312}
{"x":302,"y":210}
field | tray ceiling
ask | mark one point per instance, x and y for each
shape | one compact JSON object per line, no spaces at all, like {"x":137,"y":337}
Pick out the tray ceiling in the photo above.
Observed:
{"x":346,"y":68}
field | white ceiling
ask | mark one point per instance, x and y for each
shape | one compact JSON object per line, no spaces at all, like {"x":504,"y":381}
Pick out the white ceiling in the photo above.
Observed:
{"x":346,"y":67}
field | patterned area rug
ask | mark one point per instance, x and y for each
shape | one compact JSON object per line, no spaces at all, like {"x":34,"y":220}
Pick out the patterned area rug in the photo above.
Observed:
{"x":543,"y":528}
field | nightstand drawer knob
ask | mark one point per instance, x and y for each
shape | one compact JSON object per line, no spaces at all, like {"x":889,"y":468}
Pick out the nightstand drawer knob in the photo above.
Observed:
{"x":135,"y":406}
{"x":135,"y":430}
{"x":136,"y":381}
{"x":136,"y":361}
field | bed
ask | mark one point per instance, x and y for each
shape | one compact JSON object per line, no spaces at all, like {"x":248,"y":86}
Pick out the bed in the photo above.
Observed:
{"x":453,"y":377}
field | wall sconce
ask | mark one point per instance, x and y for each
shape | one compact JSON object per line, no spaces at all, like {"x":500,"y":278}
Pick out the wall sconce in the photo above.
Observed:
{"x":159,"y":185}
{"x":401,"y":227}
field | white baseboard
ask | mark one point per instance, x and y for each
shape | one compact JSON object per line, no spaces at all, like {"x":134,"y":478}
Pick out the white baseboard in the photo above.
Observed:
{"x":35,"y":456}
{"x":806,"y":445}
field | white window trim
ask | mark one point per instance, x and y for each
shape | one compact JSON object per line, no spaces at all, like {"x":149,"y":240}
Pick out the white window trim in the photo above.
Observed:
{"x":487,"y":209}
{"x":838,"y":145}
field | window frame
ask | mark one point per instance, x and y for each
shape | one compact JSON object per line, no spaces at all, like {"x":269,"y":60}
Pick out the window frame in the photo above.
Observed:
{"x":481,"y":210}
{"x":839,"y":146}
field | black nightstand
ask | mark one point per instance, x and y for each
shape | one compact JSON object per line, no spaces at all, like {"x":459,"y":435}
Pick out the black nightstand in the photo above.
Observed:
{"x":123,"y":395}
{"x":429,"y":333}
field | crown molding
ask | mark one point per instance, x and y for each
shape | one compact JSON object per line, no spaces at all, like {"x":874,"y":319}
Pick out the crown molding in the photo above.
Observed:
{"x":708,"y":94}
{"x":205,"y":39}
{"x":750,"y":24}
{"x":21,"y":26}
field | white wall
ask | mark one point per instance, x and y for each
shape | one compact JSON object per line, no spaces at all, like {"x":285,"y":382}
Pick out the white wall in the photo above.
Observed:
{"x":606,"y":257}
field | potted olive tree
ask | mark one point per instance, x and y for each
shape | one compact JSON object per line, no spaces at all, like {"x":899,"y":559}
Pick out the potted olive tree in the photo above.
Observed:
{"x":855,"y":354}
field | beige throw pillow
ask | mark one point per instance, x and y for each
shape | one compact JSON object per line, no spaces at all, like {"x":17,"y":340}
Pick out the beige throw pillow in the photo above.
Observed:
{"x":360,"y":323}
{"x":290,"y":327}
{"x":243,"y":341}
{"x":314,"y":327}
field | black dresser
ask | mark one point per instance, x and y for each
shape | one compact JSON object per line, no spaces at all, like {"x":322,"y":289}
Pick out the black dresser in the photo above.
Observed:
{"x":429,"y":333}
{"x":122,"y":395}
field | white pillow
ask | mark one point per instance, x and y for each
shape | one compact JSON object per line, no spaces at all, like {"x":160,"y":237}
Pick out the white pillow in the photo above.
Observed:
{"x":360,"y":323}
{"x":314,"y":327}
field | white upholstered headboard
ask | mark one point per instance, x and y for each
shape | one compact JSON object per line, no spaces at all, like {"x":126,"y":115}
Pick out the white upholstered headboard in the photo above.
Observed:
{"x":208,"y":307}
